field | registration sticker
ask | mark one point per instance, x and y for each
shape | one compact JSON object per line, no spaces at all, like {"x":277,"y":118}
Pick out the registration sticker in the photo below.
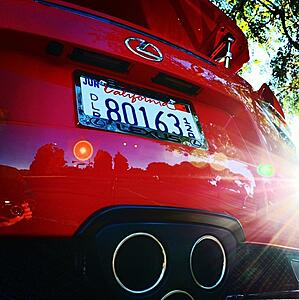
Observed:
{"x":106,"y":104}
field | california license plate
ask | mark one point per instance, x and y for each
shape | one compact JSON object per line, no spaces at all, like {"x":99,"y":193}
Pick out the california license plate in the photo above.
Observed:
{"x":105,"y":104}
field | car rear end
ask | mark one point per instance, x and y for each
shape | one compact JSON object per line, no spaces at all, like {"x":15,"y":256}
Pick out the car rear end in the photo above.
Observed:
{"x":131,"y":154}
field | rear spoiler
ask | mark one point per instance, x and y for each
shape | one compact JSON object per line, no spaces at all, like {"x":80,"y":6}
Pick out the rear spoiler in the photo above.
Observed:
{"x":266,"y":94}
{"x":213,"y":33}
{"x":195,"y":25}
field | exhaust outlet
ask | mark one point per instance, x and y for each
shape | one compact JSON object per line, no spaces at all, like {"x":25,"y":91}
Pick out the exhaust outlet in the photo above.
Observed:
{"x":177,"y":295}
{"x":207,"y":262}
{"x":139,"y":262}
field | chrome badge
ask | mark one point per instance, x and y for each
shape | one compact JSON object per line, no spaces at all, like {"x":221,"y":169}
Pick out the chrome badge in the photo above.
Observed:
{"x":144,"y":49}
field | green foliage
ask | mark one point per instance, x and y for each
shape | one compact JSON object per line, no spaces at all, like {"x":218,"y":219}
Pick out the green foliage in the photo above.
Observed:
{"x":274,"y":25}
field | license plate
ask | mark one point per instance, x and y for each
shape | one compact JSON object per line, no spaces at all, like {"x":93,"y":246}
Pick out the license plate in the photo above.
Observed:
{"x":106,"y":104}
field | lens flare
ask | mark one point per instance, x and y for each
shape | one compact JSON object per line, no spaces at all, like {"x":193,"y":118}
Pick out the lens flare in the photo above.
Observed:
{"x":83,"y":150}
{"x":265,"y":170}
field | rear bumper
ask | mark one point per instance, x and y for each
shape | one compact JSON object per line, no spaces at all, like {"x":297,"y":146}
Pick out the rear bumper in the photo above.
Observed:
{"x":85,"y":267}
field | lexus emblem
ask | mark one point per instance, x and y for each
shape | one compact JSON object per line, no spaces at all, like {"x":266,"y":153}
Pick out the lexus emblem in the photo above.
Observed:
{"x":144,"y":49}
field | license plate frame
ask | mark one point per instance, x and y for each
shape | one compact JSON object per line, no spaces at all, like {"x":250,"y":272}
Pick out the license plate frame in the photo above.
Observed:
{"x":86,"y":119}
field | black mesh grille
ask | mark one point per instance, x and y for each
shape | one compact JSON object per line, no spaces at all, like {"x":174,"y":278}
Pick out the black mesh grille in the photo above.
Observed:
{"x":262,"y":269}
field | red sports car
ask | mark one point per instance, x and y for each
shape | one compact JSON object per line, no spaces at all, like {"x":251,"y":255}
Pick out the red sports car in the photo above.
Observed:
{"x":135,"y":163}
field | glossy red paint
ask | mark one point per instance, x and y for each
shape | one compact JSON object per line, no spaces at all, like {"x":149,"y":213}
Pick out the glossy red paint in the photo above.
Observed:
{"x":38,"y":129}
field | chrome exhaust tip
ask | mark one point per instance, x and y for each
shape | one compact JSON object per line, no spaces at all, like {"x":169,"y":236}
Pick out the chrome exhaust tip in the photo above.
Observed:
{"x":139,"y":262}
{"x":177,"y":294}
{"x":208,"y":262}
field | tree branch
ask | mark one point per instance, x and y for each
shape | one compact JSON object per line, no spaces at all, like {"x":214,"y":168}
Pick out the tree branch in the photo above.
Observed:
{"x":283,"y":22}
{"x":237,"y":8}
{"x":272,"y":9}
{"x":276,"y":11}
{"x":285,"y":89}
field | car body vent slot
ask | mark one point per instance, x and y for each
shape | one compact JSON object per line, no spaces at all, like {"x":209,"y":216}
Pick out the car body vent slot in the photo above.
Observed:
{"x":99,"y":60}
{"x":176,"y":84}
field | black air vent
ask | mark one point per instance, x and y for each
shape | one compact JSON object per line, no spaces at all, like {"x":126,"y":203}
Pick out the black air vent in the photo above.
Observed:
{"x":176,"y":84}
{"x":99,"y":60}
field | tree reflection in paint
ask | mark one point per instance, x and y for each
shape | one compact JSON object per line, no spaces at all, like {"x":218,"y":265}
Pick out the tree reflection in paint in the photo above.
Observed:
{"x":48,"y":160}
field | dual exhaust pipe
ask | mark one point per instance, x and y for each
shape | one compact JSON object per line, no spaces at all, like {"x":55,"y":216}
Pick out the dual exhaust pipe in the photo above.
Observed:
{"x":139,"y":264}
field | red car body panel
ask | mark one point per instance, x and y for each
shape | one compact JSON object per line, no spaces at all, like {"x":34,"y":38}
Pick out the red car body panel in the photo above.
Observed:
{"x":38,"y":126}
